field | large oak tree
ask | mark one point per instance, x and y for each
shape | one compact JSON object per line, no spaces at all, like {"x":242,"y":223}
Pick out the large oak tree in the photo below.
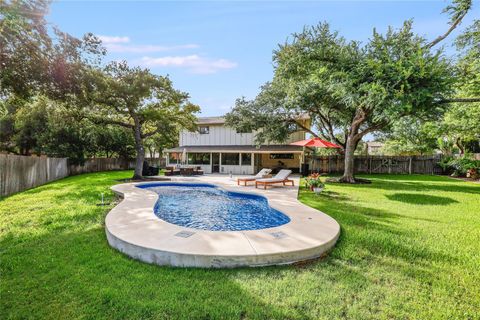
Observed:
{"x":350,"y":89}
{"x":140,"y":101}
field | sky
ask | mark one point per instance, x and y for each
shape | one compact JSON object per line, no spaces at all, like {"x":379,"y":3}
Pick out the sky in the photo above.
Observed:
{"x":219,"y":51}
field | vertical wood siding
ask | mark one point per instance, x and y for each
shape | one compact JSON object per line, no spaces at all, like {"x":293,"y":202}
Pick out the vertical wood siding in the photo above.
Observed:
{"x":221,"y":135}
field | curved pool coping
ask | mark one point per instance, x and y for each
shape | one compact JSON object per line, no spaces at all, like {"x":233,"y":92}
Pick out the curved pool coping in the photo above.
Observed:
{"x":133,"y":228}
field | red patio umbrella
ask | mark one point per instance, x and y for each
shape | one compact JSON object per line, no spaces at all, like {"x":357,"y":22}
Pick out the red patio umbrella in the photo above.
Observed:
{"x":315,"y":142}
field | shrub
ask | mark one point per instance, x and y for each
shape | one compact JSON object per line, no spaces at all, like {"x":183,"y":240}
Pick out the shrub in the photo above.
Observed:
{"x":314,"y":181}
{"x":465,"y":166}
{"x":445,"y":164}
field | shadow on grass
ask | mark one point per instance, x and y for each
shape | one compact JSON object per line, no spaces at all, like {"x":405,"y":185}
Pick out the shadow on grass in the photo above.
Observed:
{"x":376,"y":231}
{"x":417,"y":183}
{"x":79,"y":271}
{"x":331,"y":195}
{"x":421,"y":199}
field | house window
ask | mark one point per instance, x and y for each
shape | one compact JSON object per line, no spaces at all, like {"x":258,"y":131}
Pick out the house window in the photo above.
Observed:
{"x":276,"y":156}
{"x":244,"y":131}
{"x":204,"y":129}
{"x":246,"y":159}
{"x":173,"y":157}
{"x":230,"y":159}
{"x":293,"y":127}
{"x":199,"y":158}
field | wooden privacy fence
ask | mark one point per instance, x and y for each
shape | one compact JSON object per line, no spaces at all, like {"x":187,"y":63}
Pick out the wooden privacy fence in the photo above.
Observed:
{"x":101,"y":164}
{"x":379,"y":164}
{"x":18,"y":173}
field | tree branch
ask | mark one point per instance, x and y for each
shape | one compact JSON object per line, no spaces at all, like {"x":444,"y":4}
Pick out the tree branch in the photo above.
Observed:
{"x":452,"y":27}
{"x":305,"y":128}
{"x":328,"y":126}
{"x":373,"y":128}
{"x":461,"y":100}
{"x":149,"y":134}
{"x":358,"y":120}
{"x":97,"y":120}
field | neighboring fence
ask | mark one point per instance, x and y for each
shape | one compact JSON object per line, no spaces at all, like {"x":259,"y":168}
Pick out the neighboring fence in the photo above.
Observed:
{"x":157,"y":162}
{"x":18,"y":173}
{"x":110,"y":164}
{"x":100,"y":164}
{"x":379,"y":164}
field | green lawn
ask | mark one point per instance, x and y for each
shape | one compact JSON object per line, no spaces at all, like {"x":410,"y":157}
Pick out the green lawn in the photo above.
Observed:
{"x":409,"y":249}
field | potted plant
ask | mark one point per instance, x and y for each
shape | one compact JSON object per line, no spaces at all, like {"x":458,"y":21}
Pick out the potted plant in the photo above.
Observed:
{"x":314,"y":182}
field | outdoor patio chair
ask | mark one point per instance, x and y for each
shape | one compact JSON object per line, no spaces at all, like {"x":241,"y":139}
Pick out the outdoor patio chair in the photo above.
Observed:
{"x":171,"y":171}
{"x":261,"y":174}
{"x":280,"y":177}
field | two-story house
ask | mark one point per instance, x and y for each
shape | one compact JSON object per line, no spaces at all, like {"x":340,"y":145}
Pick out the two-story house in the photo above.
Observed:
{"x":217,"y":148}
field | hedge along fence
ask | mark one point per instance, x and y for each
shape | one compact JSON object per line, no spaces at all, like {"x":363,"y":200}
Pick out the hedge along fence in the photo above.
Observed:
{"x":379,"y":164}
{"x":18,"y":173}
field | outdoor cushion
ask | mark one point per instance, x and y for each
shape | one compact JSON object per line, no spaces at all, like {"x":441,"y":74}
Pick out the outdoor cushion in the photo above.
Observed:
{"x":259,"y":175}
{"x":279,"y":177}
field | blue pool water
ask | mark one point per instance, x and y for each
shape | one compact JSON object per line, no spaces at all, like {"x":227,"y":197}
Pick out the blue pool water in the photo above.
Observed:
{"x":207,"y":207}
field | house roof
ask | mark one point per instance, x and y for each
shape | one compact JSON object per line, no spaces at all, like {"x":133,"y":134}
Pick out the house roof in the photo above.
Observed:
{"x":229,"y":148}
{"x":211,"y":120}
{"x":374,"y":144}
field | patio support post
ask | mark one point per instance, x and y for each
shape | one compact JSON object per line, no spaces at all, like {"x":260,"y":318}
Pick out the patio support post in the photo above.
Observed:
{"x":252,"y":163}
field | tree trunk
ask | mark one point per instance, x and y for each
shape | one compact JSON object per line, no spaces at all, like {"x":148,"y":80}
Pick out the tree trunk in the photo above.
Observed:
{"x":460,"y":146}
{"x":350,"y":147}
{"x":139,"y":149}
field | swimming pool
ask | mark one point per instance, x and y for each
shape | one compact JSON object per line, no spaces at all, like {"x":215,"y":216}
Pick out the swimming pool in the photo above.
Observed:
{"x":208,"y":207}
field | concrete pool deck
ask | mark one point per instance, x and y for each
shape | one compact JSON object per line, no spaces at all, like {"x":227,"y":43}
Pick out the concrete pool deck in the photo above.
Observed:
{"x":134,"y":229}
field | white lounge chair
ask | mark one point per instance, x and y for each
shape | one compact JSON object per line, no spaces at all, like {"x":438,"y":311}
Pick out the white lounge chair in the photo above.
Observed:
{"x":259,"y":175}
{"x":280,"y":177}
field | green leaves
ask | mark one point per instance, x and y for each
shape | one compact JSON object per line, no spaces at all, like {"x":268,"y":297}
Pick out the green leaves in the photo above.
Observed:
{"x":37,"y":58}
{"x":334,"y":81}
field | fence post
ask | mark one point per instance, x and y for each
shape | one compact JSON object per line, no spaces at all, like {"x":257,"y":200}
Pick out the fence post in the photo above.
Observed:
{"x":410,"y":165}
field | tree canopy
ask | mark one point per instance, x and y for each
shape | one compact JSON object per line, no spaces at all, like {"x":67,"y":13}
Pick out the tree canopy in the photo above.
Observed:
{"x":37,"y":58}
{"x":459,"y":126}
{"x":140,"y":101}
{"x":57,"y":98}
{"x":347,"y":88}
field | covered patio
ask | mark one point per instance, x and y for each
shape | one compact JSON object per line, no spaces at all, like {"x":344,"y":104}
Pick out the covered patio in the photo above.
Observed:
{"x":237,"y":159}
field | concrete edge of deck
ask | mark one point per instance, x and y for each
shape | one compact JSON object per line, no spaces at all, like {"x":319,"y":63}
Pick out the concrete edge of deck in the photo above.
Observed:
{"x":132,"y":228}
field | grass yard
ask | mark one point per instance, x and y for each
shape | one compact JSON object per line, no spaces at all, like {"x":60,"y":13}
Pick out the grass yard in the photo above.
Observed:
{"x":409,"y":249}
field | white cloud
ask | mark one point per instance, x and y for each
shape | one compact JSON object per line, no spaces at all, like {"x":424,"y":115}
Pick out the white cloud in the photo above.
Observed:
{"x":193,"y":63}
{"x":122,"y":44}
{"x":115,"y":47}
{"x":113,"y":39}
